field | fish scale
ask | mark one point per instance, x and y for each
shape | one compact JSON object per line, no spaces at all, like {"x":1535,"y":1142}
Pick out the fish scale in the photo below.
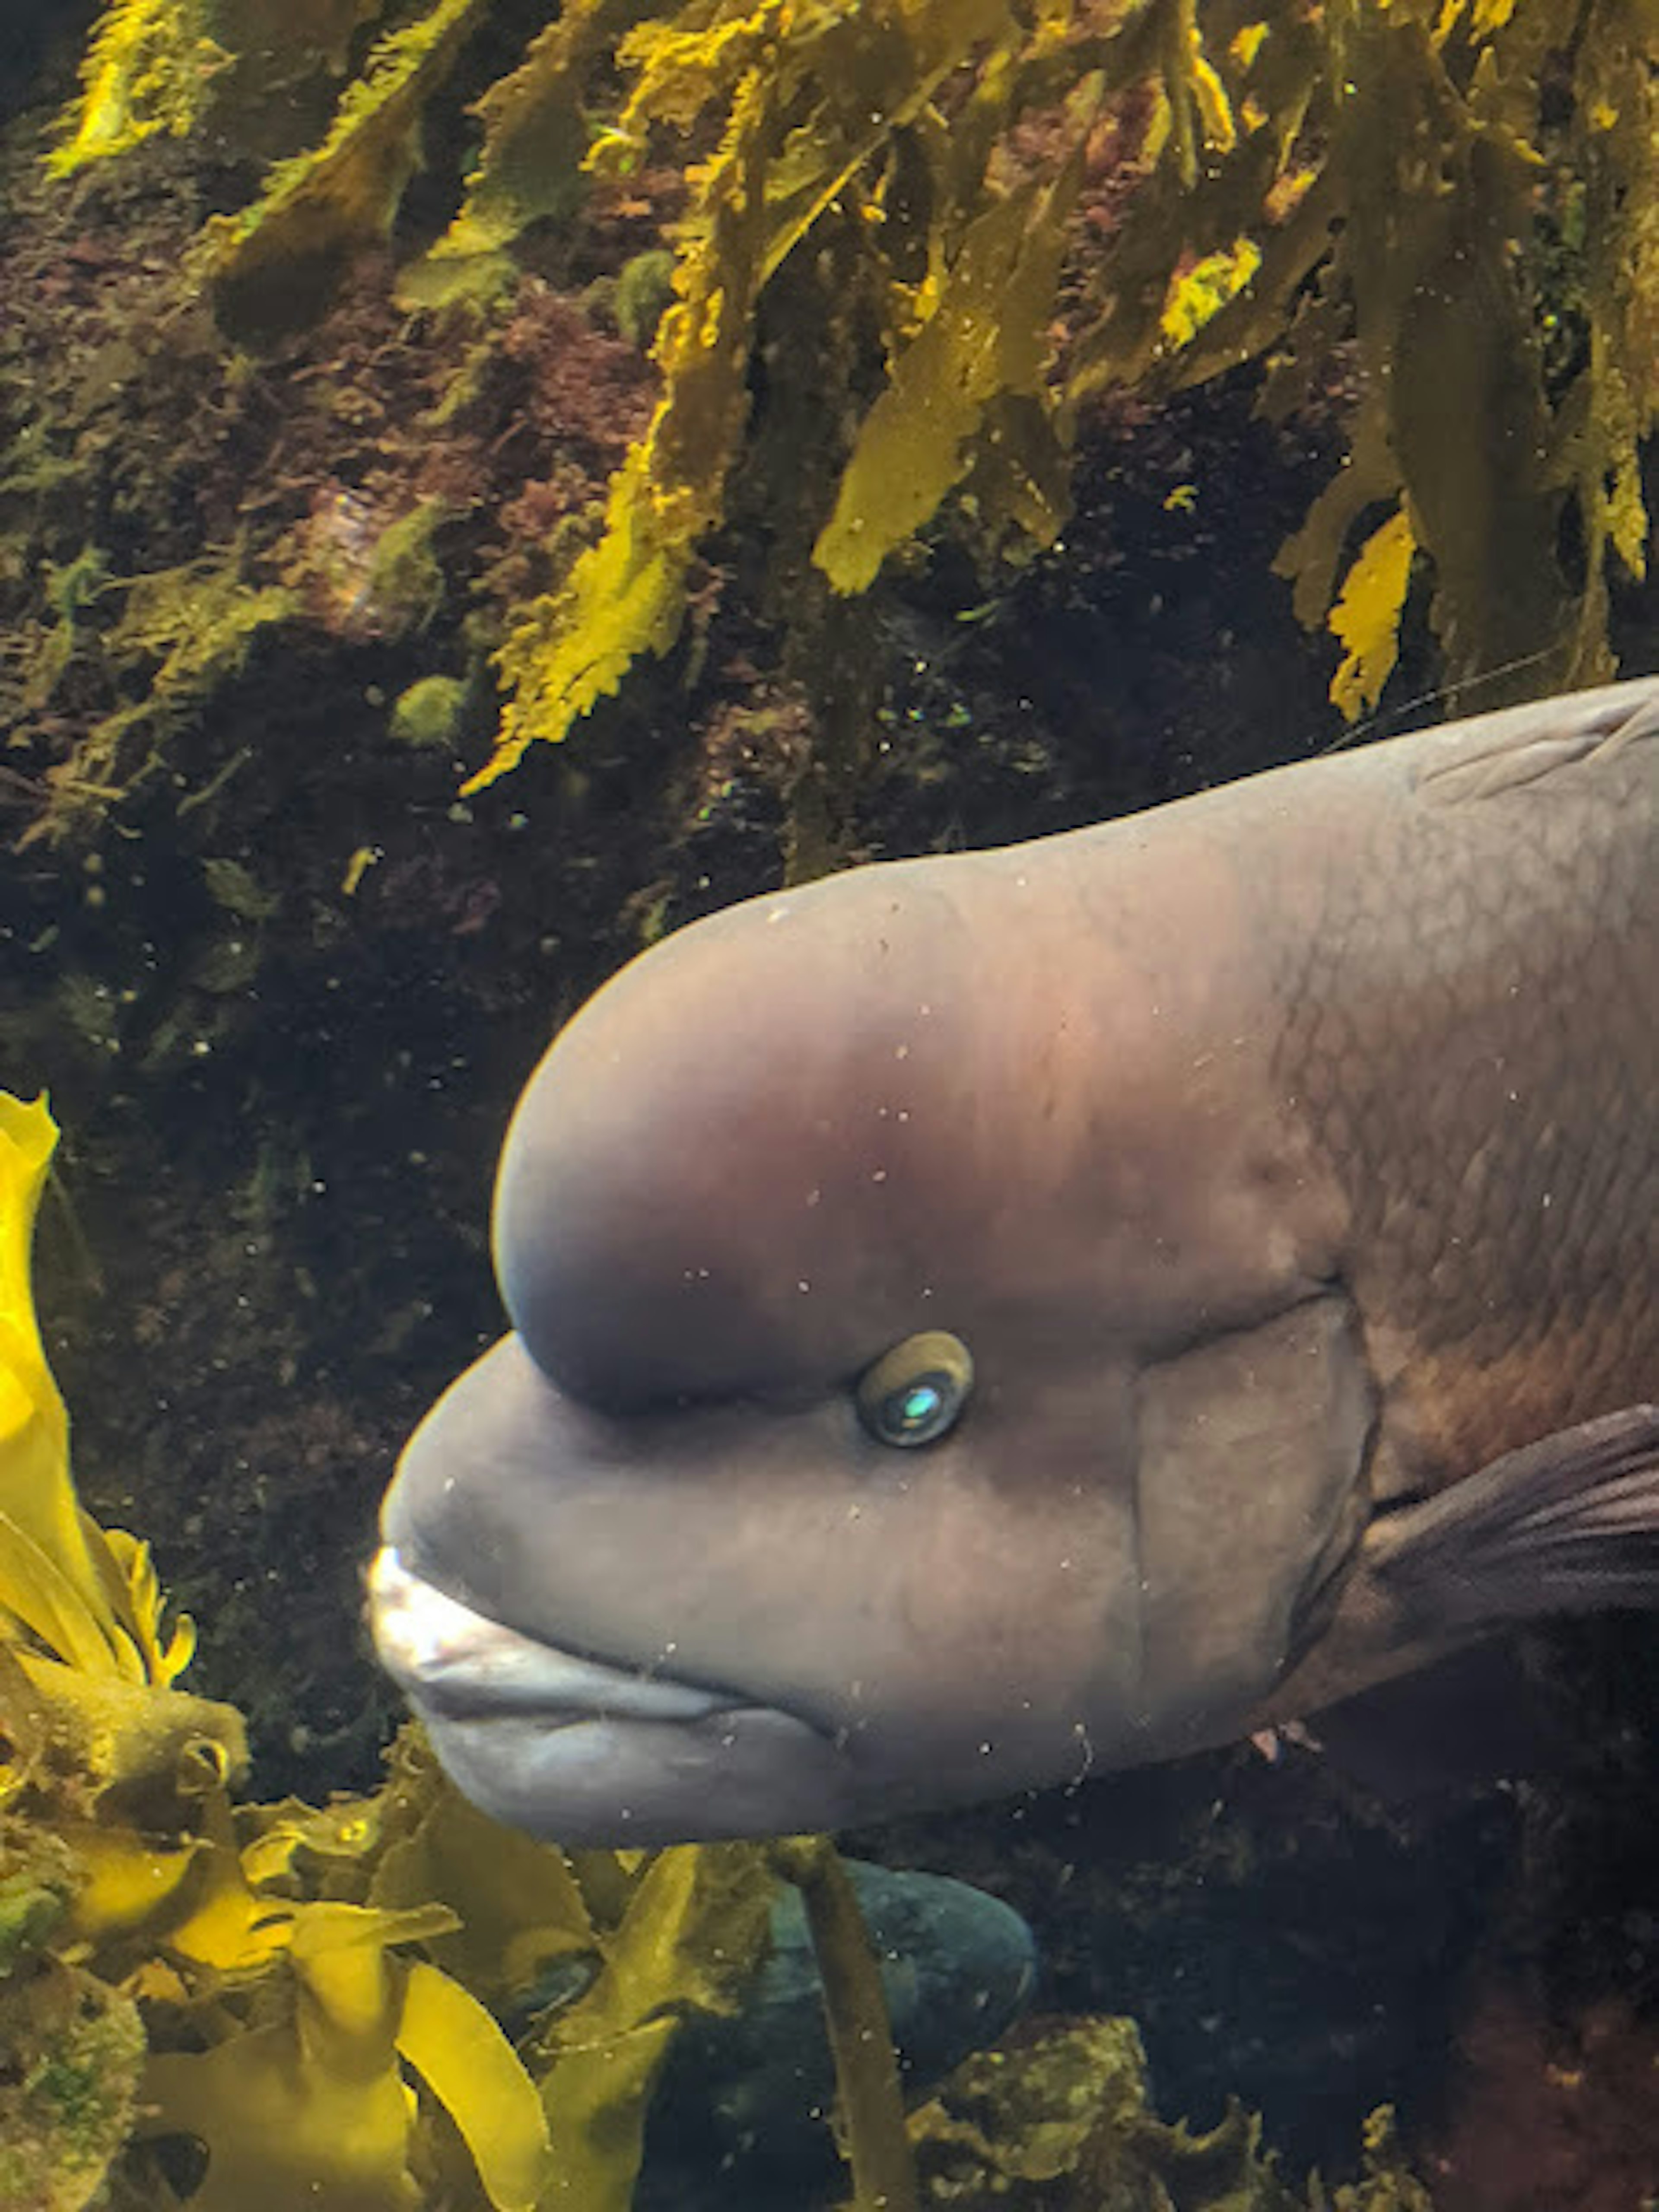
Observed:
{"x":1542,"y":1091}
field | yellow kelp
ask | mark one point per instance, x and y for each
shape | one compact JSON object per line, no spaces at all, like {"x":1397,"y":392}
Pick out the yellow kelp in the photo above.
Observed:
{"x":147,"y":70}
{"x":273,"y":265}
{"x":1366,"y":616}
{"x":1013,"y":206}
{"x":160,"y":66}
{"x":73,"y":1596}
{"x":261,"y":1951}
{"x":312,"y":2105}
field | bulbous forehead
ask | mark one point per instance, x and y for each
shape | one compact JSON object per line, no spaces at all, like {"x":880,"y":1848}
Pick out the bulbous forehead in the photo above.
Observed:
{"x":991,"y":1092}
{"x":758,"y":1150}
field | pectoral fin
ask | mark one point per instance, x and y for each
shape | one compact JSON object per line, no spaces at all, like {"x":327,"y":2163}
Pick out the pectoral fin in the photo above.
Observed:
{"x":1565,"y":1525}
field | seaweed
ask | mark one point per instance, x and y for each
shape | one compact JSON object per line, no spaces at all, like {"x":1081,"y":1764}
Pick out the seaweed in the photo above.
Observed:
{"x":74,"y":2050}
{"x":181,"y":633}
{"x":186,"y":1975}
{"x":169,"y":67}
{"x":146,"y":70}
{"x":531,"y":156}
{"x":1433,"y":219}
{"x":1059,"y":2119}
{"x":871,"y":2105}
{"x":271,"y":267}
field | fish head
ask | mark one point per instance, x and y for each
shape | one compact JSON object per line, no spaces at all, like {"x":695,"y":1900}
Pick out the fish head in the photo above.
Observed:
{"x":889,"y":1330}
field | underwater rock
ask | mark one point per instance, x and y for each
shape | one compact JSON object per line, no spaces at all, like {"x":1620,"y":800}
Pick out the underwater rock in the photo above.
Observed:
{"x":742,"y":2108}
{"x":73,"y":2049}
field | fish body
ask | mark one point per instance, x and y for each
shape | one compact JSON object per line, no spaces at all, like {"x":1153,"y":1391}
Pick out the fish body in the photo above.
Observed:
{"x":986,"y":1319}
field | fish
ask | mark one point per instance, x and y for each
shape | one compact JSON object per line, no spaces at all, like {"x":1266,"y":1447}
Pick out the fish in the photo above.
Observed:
{"x":986,"y":1320}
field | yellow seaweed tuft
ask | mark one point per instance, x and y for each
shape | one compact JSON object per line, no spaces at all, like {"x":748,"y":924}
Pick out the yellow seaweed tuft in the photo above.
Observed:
{"x":147,"y":70}
{"x":290,"y":2036}
{"x":1366,"y":616}
{"x":273,"y":266}
{"x":1199,"y":293}
{"x":169,"y":67}
{"x":626,"y":594}
{"x":983,"y":342}
{"x":71,"y":1595}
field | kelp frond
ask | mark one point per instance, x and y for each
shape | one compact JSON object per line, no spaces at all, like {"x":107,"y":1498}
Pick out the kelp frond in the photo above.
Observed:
{"x":273,"y":265}
{"x":535,"y":140}
{"x":70,"y":1592}
{"x":147,"y":70}
{"x":292,"y":2036}
{"x":626,"y":594}
{"x":1459,"y":197}
{"x":165,"y":66}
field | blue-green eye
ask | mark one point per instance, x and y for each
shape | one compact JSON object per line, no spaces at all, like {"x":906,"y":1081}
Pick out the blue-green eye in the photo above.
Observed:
{"x":916,"y":1391}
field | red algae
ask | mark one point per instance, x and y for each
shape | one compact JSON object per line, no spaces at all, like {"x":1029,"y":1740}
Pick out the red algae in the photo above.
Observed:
{"x":1551,"y":2116}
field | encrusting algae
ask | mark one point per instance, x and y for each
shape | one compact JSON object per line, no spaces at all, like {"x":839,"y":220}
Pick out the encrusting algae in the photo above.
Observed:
{"x":1006,"y":211}
{"x":245,"y":2007}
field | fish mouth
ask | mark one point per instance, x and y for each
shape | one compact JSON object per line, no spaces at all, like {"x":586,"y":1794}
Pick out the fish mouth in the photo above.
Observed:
{"x":589,"y":1753}
{"x":463,"y":1665}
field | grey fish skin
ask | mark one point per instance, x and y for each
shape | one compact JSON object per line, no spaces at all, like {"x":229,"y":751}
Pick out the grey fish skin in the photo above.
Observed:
{"x":1282,"y":1163}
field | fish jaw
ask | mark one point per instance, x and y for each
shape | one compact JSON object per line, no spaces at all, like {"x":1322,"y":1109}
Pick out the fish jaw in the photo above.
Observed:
{"x":590,"y":1754}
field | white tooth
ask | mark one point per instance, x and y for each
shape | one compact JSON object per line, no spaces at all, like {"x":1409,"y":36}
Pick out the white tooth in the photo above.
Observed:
{"x":437,"y":1644}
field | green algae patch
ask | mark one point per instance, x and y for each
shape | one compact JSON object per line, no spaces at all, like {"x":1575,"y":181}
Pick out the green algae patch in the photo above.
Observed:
{"x":431,"y":714}
{"x":645,"y":289}
{"x":181,"y":634}
{"x":405,"y":579}
{"x":1061,"y":2118}
{"x":74,"y":2051}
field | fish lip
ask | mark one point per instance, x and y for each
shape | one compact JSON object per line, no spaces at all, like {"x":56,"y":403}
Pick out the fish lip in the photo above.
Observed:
{"x":459,"y":1664}
{"x":602,"y":1782}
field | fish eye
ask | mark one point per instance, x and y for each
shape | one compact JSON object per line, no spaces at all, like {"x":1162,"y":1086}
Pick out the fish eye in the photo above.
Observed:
{"x":916,"y":1391}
